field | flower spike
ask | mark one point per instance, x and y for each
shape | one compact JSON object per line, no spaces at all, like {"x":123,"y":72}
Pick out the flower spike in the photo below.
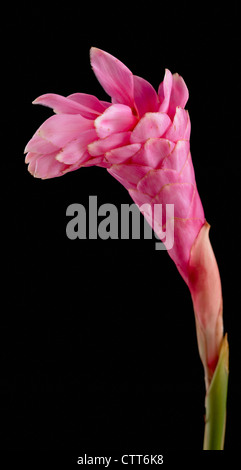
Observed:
{"x":142,"y":138}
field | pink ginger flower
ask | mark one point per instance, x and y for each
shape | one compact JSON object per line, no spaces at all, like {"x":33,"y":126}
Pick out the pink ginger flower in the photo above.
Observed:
{"x":142,"y":138}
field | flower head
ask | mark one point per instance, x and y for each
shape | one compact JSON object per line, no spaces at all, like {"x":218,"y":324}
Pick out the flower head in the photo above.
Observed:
{"x":141,"y":137}
{"x":85,"y":130}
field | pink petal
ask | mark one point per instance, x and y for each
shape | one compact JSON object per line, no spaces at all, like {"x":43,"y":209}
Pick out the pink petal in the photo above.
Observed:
{"x":30,"y":156}
{"x":196,"y":208}
{"x":121,"y":154}
{"x":113,"y":75}
{"x":151,"y":125}
{"x":143,"y":201}
{"x":97,"y":161}
{"x":104,"y":164}
{"x":84,"y":161}
{"x":128,"y":175}
{"x":101,"y":146}
{"x":186,"y":173}
{"x":188,"y":128}
{"x":172,"y":92}
{"x":139,"y":198}
{"x":62,"y":128}
{"x":106,"y":104}
{"x":60,"y":104}
{"x":46,"y":166}
{"x":178,"y":129}
{"x":186,"y":231}
{"x":89,"y":105}
{"x":153,"y":152}
{"x":179,"y":94}
{"x":39,"y":145}
{"x":164,"y":91}
{"x":206,"y":291}
{"x":75,"y":150}
{"x":178,"y":157}
{"x":179,"y":194}
{"x":145,"y":96}
{"x":117,"y":118}
{"x":153,"y":182}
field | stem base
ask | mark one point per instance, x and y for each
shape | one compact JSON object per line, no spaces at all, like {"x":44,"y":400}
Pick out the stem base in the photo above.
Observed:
{"x":215,"y":402}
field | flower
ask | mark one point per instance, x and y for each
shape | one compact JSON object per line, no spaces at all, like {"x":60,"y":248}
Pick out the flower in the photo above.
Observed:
{"x":142,"y":138}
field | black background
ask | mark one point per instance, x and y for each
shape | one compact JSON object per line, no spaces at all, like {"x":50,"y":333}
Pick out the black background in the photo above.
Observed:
{"x":98,"y":336}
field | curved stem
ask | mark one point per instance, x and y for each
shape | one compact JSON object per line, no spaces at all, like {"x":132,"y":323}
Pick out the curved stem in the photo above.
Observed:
{"x":215,"y":403}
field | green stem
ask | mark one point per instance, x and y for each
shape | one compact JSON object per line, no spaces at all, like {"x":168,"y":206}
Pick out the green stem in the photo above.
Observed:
{"x":215,"y":403}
